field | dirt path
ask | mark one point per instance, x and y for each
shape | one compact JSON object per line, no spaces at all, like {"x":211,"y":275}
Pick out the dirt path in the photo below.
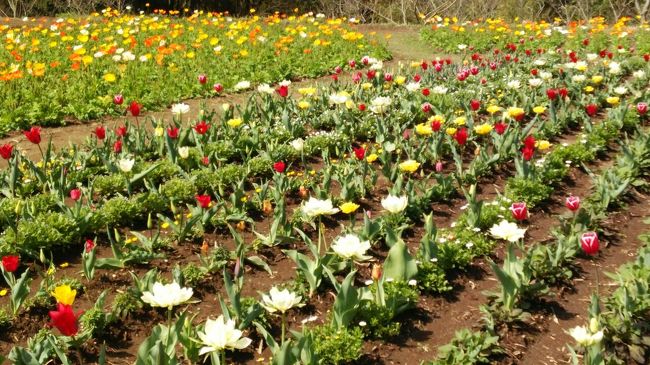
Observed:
{"x":403,"y":42}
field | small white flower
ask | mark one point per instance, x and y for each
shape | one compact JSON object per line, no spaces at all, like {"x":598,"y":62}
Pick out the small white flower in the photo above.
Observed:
{"x":614,"y":68}
{"x":620,"y":90}
{"x":166,"y":295}
{"x":126,"y":164}
{"x":280,"y":300}
{"x":584,"y":337}
{"x":639,"y":74}
{"x":362,"y":324}
{"x":578,"y":78}
{"x":183,"y":152}
{"x":180,"y":108}
{"x":462,"y":47}
{"x":339,"y":98}
{"x":394,"y":204}
{"x":544,"y":75}
{"x":285,"y":83}
{"x":315,"y":207}
{"x":413,"y":282}
{"x":298,"y":144}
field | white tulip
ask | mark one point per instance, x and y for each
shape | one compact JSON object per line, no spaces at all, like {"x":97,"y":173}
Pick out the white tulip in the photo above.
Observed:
{"x":183,"y":152}
{"x":584,"y":337}
{"x":219,"y":335}
{"x":380,"y":104}
{"x":242,"y":85}
{"x":350,"y":247}
{"x":126,"y":164}
{"x":614,"y":68}
{"x":315,"y":207}
{"x":280,"y":301}
{"x":412,"y":86}
{"x":298,"y":144}
{"x":167,"y":295}
{"x":507,"y":231}
{"x":339,"y":98}
{"x":535,"y":82}
{"x":265,"y":89}
{"x":513,"y":84}
{"x":180,"y":108}
{"x":394,"y":204}
{"x":440,"y":90}
{"x":620,"y":90}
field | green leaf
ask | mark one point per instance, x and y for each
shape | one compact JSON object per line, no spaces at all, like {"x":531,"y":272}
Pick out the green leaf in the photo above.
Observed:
{"x":399,"y":264}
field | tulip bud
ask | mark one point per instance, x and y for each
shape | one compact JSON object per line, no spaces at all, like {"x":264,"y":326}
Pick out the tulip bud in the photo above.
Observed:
{"x":267,"y":207}
{"x":439,"y":166}
{"x":204,"y":248}
{"x":118,"y":99}
{"x":376,"y":272}
{"x":149,"y":222}
{"x":589,"y":243}
{"x":19,"y":207}
{"x":519,"y":211}
{"x":642,"y":108}
{"x":202,"y":79}
{"x":75,"y":194}
{"x":572,"y":203}
{"x":218,"y":87}
{"x":241,"y":226}
{"x":303,"y":192}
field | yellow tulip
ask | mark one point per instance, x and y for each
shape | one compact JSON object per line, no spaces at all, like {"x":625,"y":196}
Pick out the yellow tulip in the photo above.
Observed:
{"x":235,"y":122}
{"x":409,"y":166}
{"x":613,"y":100}
{"x":483,"y":129}
{"x":543,"y":145}
{"x":372,"y":158}
{"x":64,"y":294}
{"x":423,"y":129}
{"x":349,"y":207}
{"x":493,"y":109}
{"x":539,"y":109}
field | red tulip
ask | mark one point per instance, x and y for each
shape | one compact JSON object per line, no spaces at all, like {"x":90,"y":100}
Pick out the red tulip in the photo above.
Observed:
{"x":89,"y":246}
{"x":100,"y":132}
{"x":283,"y":91}
{"x":642,"y":108}
{"x":591,"y":109}
{"x":202,"y":79}
{"x":438,"y":67}
{"x":75,"y":194}
{"x":585,"y":42}
{"x":388,"y":77}
{"x":426,"y":92}
{"x":338,"y":69}
{"x":203,"y":201}
{"x":417,"y":78}
{"x":64,"y":320}
{"x":34,"y":135}
{"x":439,"y":166}
{"x":352,"y":63}
{"x":10,"y":263}
{"x":6,"y":150}
{"x":121,"y":131}
{"x":134,"y":108}
{"x":201,"y":127}
{"x":564,"y":92}
{"x":589,"y":243}
{"x":217,"y":87}
{"x":572,"y":203}
{"x":118,"y":99}
{"x":527,"y":153}
{"x":205,"y":160}
{"x":519,"y":211}
{"x":424,"y":65}
{"x":436,"y":125}
{"x":426,"y":107}
{"x":646,"y":57}
{"x":335,"y":77}
{"x":529,"y":142}
{"x":475,"y":104}
{"x":117,"y":146}
{"x":461,"y":136}
{"x":362,"y":107}
{"x":371,"y":74}
{"x":551,"y":94}
{"x":500,"y":127}
{"x":279,"y":166}
{"x":172,"y":132}
{"x":359,"y":152}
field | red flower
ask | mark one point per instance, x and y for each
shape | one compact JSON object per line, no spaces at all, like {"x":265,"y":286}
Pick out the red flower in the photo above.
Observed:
{"x":75,"y":194}
{"x":371,"y":74}
{"x":118,"y":99}
{"x":100,"y":132}
{"x":436,"y":125}
{"x":417,"y":78}
{"x":6,"y":150}
{"x":527,"y":153}
{"x":589,"y":243}
{"x":591,"y":109}
{"x":121,"y":131}
{"x":34,"y":135}
{"x":203,"y":79}
{"x":563,"y":92}
{"x":551,"y":94}
{"x":642,"y":108}
{"x":529,"y":142}
{"x":134,"y":108}
{"x":203,"y":201}
{"x":572,"y":203}
{"x":585,"y":42}
{"x":426,"y":107}
{"x":117,"y":146}
{"x":217,"y":87}
{"x":172,"y":132}
{"x":426,"y":92}
{"x":475,"y":104}
{"x":461,"y":136}
{"x":388,"y":77}
{"x":500,"y":127}
{"x":10,"y":263}
{"x":202,"y":127}
{"x":64,"y":320}
{"x":519,"y":211}
{"x":338,"y":69}
{"x":283,"y":91}
{"x":205,"y":160}
{"x":279,"y":166}
{"x":352,"y":63}
{"x":89,"y":245}
{"x":359,"y":152}
{"x":362,"y":107}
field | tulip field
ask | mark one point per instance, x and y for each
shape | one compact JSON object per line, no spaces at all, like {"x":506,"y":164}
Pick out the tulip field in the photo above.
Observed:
{"x":485,"y":205}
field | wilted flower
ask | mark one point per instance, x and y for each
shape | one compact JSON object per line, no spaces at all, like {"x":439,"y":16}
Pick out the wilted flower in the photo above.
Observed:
{"x":167,"y":295}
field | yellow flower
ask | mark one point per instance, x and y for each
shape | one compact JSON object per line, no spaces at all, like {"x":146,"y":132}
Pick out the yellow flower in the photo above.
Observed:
{"x":514,"y":112}
{"x":423,"y":129}
{"x":109,"y":77}
{"x":3,"y":292}
{"x":159,"y":131}
{"x":307,"y":91}
{"x":493,"y":109}
{"x":596,"y":79}
{"x":460,"y":121}
{"x":399,"y":80}
{"x":164,"y":225}
{"x":64,"y":294}
{"x":303,"y":105}
{"x":235,"y":122}
{"x":483,"y":129}
{"x":450,"y":131}
{"x":64,"y":265}
{"x":438,"y":118}
{"x":543,"y":145}
{"x":539,"y":109}
{"x":409,"y":166}
{"x":366,"y":85}
{"x":613,"y":100}
{"x":349,"y":207}
{"x":372,"y":157}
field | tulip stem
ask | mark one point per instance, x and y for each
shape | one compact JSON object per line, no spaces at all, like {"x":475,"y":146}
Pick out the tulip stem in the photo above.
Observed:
{"x":283,"y":326}
{"x":223,"y":357}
